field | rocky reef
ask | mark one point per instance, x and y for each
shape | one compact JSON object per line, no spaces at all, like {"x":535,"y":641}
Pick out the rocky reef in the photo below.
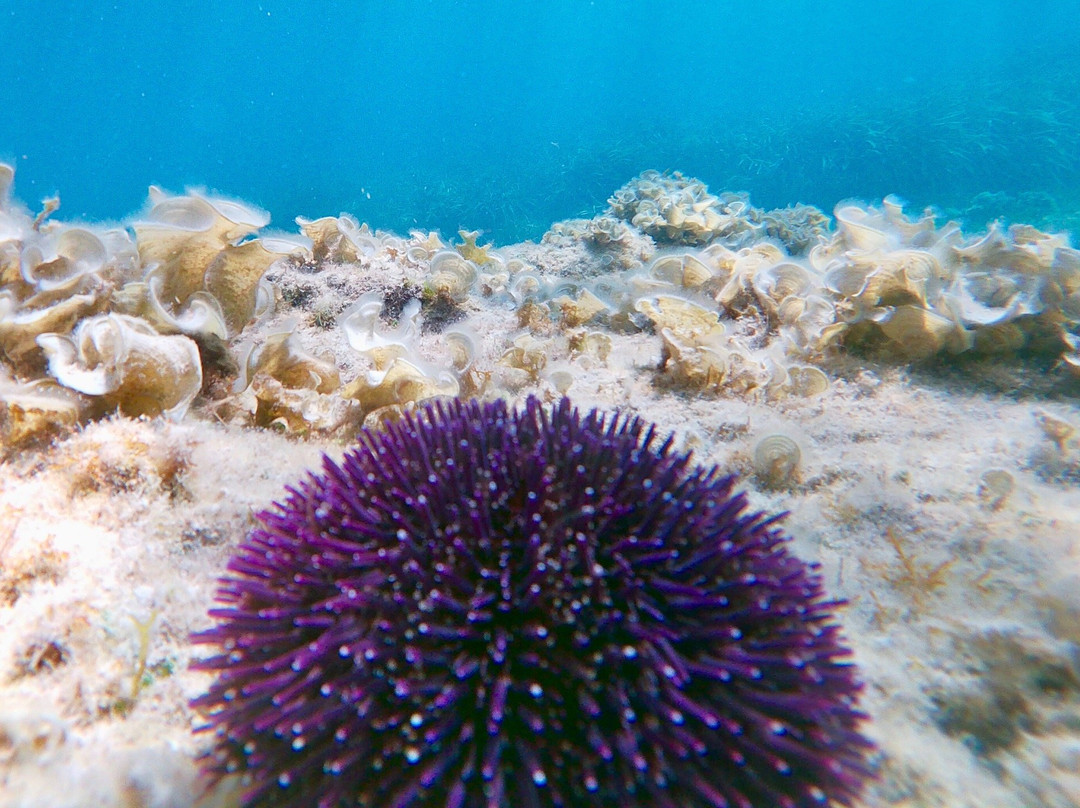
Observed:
{"x":162,"y":378}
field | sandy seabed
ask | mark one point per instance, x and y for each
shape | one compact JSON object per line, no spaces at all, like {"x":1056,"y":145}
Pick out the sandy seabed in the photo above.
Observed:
{"x":963,"y":600}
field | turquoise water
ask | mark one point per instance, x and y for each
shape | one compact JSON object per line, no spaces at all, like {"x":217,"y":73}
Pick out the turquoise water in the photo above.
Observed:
{"x":506,"y":116}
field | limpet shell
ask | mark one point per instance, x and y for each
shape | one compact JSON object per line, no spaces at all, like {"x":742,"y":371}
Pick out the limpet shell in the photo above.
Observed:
{"x":776,"y":461}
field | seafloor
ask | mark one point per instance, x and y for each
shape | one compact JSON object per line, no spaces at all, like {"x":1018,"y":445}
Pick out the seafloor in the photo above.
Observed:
{"x":906,"y":391}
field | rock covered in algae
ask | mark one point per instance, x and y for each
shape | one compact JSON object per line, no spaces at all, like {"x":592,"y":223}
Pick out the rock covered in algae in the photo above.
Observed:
{"x":678,"y":209}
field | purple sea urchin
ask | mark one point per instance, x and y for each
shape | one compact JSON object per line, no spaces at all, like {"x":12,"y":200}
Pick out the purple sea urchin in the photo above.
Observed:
{"x":487,"y":608}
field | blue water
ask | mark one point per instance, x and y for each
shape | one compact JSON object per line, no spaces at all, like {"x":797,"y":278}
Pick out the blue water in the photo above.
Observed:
{"x":506,"y":116}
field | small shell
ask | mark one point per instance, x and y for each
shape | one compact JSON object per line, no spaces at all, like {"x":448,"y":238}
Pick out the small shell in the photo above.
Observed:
{"x":776,"y":461}
{"x":995,"y":486}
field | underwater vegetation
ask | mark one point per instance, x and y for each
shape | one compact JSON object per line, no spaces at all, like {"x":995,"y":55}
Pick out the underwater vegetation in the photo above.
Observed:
{"x":158,"y":319}
{"x":478,"y":606}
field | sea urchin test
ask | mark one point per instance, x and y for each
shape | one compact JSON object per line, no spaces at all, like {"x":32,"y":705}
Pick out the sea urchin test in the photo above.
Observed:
{"x":485,"y":607}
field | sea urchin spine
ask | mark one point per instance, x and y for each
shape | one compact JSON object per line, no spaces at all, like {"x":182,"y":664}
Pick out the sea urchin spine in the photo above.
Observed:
{"x":482,"y":608}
